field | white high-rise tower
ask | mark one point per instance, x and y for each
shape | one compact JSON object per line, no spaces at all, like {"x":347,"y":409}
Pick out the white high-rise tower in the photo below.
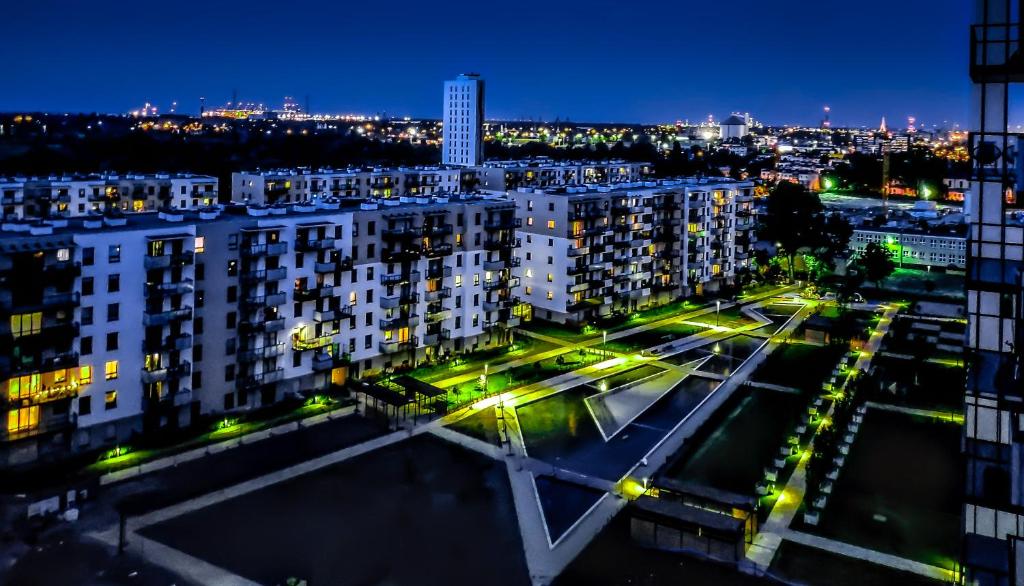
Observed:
{"x":463,"y":121}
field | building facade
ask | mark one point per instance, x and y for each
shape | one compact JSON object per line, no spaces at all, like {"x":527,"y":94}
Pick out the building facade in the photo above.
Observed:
{"x":463,"y":119}
{"x":283,"y":186}
{"x":77,"y":196}
{"x":915,"y":248}
{"x":544,"y":173}
{"x":993,"y":515}
{"x":146,"y":321}
{"x":597,"y":251}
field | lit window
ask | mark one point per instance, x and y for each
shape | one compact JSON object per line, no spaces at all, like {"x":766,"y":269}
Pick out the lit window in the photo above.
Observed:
{"x":551,"y":278}
{"x":110,"y":400}
{"x":551,"y":295}
{"x":458,"y":280}
{"x":551,"y":224}
{"x":23,"y":419}
{"x":529,"y":290}
{"x":529,"y":221}
{"x":200,"y":244}
{"x":85,"y":374}
{"x":529,"y":273}
{"x":110,"y":370}
{"x":26,"y":323}
{"x":476,"y":278}
{"x":64,"y":254}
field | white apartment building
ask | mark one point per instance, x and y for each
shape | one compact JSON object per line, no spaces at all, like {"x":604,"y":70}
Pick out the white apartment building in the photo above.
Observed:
{"x":595,"y":251}
{"x":543,"y":173}
{"x":81,"y":195}
{"x":305,"y":185}
{"x":463,"y":120}
{"x":120,"y":325}
{"x":915,"y":248}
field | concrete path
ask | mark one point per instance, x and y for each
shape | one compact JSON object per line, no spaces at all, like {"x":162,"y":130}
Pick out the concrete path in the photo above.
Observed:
{"x":877,"y":557}
{"x":950,"y":416}
{"x":775,"y":528}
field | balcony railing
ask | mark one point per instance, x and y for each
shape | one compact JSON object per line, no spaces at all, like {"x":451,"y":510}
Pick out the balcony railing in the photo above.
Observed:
{"x":300,"y":344}
{"x":401,"y":233}
{"x":329,"y":315}
{"x":325,"y":267}
{"x":409,"y":254}
{"x":258,"y":250}
{"x":444,"y":272}
{"x":273,"y":325}
{"x":154,"y":375}
{"x":495,"y":284}
{"x":503,"y":224}
{"x":438,"y":294}
{"x":255,"y":381}
{"x":264,"y":275}
{"x":163,"y":318}
{"x":165,"y":261}
{"x":434,"y":338}
{"x":313,"y":294}
{"x":401,"y":321}
{"x":176,"y":342}
{"x":407,"y":298}
{"x":308,"y":245}
{"x":176,"y":288}
{"x":438,"y":250}
{"x":501,"y":264}
{"x":400,"y":277}
{"x":392,"y":347}
{"x":262,"y":353}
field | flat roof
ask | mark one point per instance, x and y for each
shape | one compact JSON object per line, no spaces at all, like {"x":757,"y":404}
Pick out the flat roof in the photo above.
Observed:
{"x":686,"y":514}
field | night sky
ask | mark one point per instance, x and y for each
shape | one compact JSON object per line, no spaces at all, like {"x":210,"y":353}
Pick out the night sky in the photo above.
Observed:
{"x":585,"y":60}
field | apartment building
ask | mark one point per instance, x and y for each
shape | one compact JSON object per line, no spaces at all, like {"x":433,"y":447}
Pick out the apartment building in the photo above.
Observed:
{"x":543,"y":173}
{"x":304,"y":185}
{"x":81,"y":195}
{"x":597,"y":251}
{"x":121,"y":325}
{"x":463,"y":120}
{"x":992,"y":550}
{"x":915,"y":248}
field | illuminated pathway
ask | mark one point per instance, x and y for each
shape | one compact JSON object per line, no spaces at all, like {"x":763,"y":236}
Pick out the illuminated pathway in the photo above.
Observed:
{"x":776,"y":528}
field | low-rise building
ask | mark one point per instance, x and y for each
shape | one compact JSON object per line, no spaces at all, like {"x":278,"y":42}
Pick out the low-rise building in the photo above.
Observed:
{"x":543,"y":173}
{"x":914,"y":247}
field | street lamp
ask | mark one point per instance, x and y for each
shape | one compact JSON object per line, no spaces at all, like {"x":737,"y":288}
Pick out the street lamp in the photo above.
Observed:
{"x":604,"y":342}
{"x":718,"y":309}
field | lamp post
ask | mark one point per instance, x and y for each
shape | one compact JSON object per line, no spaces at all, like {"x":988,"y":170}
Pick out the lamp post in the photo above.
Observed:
{"x":604,"y":343}
{"x":718,"y":309}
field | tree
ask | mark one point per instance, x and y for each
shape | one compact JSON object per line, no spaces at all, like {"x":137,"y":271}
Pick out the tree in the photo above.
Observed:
{"x":877,"y":263}
{"x":795,"y":221}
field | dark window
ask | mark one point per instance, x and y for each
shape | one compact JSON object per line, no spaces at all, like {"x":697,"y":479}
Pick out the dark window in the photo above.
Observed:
{"x":87,"y":285}
{"x":113,"y":312}
{"x":232,"y":294}
{"x":88,"y":256}
{"x":86,"y":316}
{"x":113,"y":283}
{"x":230,"y":321}
{"x":229,"y":372}
{"x":111,"y":341}
{"x":86,"y":345}
{"x":84,"y":405}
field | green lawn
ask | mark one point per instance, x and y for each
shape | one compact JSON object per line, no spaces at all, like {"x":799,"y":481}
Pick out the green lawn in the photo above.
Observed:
{"x":524,"y":348}
{"x":472,"y":390}
{"x":651,"y":338}
{"x":727,"y":318}
{"x":914,"y":282}
{"x":799,"y":564}
{"x":899,"y":492}
{"x":923,"y":385}
{"x":801,"y":366}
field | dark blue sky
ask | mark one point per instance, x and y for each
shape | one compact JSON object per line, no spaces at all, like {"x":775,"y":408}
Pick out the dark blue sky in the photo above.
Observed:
{"x":588,"y":60}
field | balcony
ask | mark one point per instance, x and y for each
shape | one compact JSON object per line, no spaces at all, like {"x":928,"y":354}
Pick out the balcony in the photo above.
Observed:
{"x":409,"y":254}
{"x":65,"y":268}
{"x":308,"y":245}
{"x":437,"y":295}
{"x":500,"y":264}
{"x":255,"y":381}
{"x":329,"y":315}
{"x":400,"y":277}
{"x":401,"y":233}
{"x":179,"y":398}
{"x":432,"y":339}
{"x":160,"y":374}
{"x":262,"y":353}
{"x":400,"y":321}
{"x":345,"y":263}
{"x":173,"y":343}
{"x":502,"y":244}
{"x":300,"y":344}
{"x":312,"y":294}
{"x":164,"y":318}
{"x":444,"y":272}
{"x":500,"y":304}
{"x":166,"y":261}
{"x":181,"y":287}
{"x":495,"y":284}
{"x":438,"y":231}
{"x":259,"y":250}
{"x":436,"y":316}
{"x":262,"y":276}
{"x":575,"y":252}
{"x":438,"y":250}
{"x":393,"y":347}
{"x":322,"y":361}
{"x":259,"y":301}
{"x":405,"y":298}
{"x":510,"y":322}
{"x":325,"y":267}
{"x":503,"y":224}
{"x":266,"y":326}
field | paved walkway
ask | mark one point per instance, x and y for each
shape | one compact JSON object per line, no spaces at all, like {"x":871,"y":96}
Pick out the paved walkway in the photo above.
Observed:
{"x":950,"y":416}
{"x":861,"y":553}
{"x":776,"y":527}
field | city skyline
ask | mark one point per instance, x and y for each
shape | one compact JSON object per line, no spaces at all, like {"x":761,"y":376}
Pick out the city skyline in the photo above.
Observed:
{"x":688,"y":72}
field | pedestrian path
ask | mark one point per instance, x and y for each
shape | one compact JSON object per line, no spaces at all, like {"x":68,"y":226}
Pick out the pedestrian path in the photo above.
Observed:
{"x":775,"y":528}
{"x":932,"y":413}
{"x":877,"y":557}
